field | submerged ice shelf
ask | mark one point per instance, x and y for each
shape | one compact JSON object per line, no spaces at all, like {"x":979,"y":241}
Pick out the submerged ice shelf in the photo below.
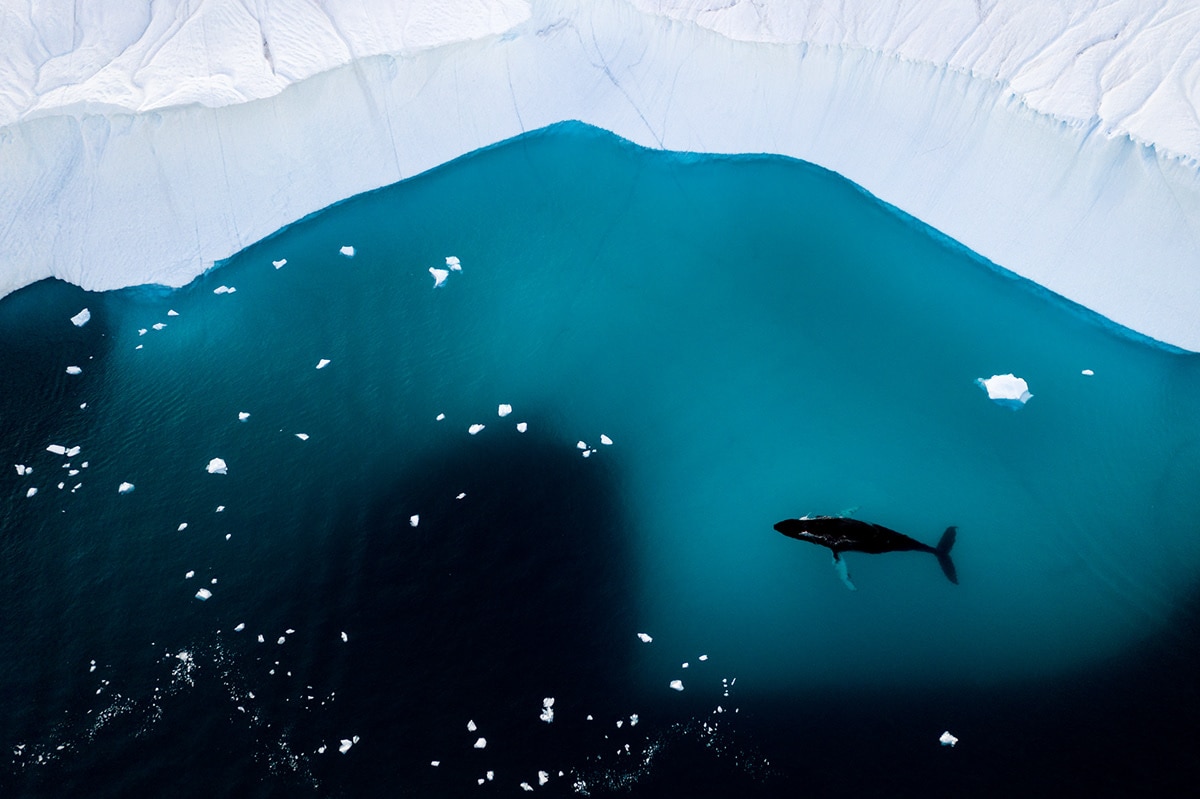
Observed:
{"x":158,"y":155}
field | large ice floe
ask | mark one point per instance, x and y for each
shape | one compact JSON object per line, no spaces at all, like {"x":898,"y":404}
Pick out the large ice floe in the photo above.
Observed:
{"x":1060,"y":140}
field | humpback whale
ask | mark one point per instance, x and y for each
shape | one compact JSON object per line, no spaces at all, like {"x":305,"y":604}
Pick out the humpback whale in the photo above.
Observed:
{"x":850,"y":535}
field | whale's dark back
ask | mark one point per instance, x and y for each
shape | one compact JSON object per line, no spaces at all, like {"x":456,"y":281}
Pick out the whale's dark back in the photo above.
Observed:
{"x":840,"y":534}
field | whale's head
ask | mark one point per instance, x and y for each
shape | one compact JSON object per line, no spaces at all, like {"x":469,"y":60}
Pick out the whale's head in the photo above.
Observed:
{"x":795,"y":528}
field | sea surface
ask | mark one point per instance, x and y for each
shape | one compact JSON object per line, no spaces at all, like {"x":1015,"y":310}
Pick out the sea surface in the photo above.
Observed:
{"x":693,"y":348}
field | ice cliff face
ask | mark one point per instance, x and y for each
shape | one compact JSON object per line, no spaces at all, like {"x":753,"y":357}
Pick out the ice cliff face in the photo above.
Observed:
{"x":1059,"y":140}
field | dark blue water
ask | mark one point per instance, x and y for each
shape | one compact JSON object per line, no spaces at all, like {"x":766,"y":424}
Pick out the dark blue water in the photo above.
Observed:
{"x":758,"y":339}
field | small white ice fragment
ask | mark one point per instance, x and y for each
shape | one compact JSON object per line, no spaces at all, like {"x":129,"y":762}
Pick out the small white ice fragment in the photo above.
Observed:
{"x":1008,"y":390}
{"x":217,"y":466}
{"x":172,"y":313}
{"x":703,"y":657}
{"x":527,"y":786}
{"x":222,"y":290}
{"x":440,"y":417}
{"x":243,"y":416}
{"x":220,"y":508}
{"x":57,"y":449}
{"x":321,"y":364}
{"x":21,"y":470}
{"x":543,"y":778}
{"x":1087,"y":372}
{"x":547,"y":710}
{"x":471,"y":726}
{"x":435,"y":763}
{"x":645,"y":638}
{"x":633,"y":720}
{"x":203,"y":594}
{"x":677,"y":685}
{"x":347,"y":251}
{"x":463,"y":495}
{"x":80,"y":319}
{"x":504,"y":410}
{"x":302,"y":436}
{"x":30,"y":492}
{"x":282,"y":638}
{"x":475,"y":428}
{"x":345,"y":637}
{"x":480,"y":743}
{"x":141,"y":331}
{"x":189,"y":575}
{"x":158,"y":325}
{"x":947,"y":739}
{"x":345,"y":745}
{"x":414,"y":520}
{"x":453,"y":262}
{"x":685,"y":664}
{"x":439,"y":276}
{"x":261,"y":640}
{"x":182,"y":527}
{"x":581,"y":445}
{"x":605,"y":440}
{"x":72,"y":452}
{"x":74,"y":370}
{"x":282,"y":262}
{"x":241,"y":626}
{"x":124,"y":488}
{"x":522,"y":427}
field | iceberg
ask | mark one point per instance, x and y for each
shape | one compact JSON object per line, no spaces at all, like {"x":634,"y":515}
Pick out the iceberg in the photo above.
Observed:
{"x":217,"y":466}
{"x":1062,"y":146}
{"x":80,"y":319}
{"x":1008,"y":390}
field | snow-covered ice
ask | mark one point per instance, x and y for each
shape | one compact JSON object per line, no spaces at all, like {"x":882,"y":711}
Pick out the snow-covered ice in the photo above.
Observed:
{"x":1008,"y":390}
{"x":547,"y":710}
{"x":282,"y":262}
{"x":74,"y":370}
{"x":453,"y":263}
{"x":57,"y":449}
{"x":217,"y":466}
{"x":302,"y":436}
{"x":471,"y":726}
{"x":80,"y":319}
{"x":475,"y":428}
{"x":158,"y":325}
{"x":644,"y":638}
{"x":124,"y":488}
{"x":677,"y":685}
{"x":172,"y":313}
{"x":605,"y":440}
{"x":1064,"y":146}
{"x":947,"y":739}
{"x":414,"y":520}
{"x":203,"y":594}
{"x":30,"y":492}
{"x":522,"y":427}
{"x":347,"y":251}
{"x":243,"y":416}
{"x":439,"y":276}
{"x":321,"y":364}
{"x":481,"y":743}
{"x":504,"y":410}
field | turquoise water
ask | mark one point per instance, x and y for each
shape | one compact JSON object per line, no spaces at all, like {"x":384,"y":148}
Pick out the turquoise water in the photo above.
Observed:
{"x":758,"y":338}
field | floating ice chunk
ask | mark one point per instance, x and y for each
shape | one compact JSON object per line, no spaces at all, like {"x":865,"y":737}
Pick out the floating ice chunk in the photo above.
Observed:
{"x":581,"y":445}
{"x":440,"y":417}
{"x":947,"y":739}
{"x":282,"y":262}
{"x":83,"y":465}
{"x":30,"y":492}
{"x":142,"y":331}
{"x":138,"y":347}
{"x":439,"y":276}
{"x":158,"y":325}
{"x":182,"y":527}
{"x":1087,"y":372}
{"x":703,"y":657}
{"x":463,"y":495}
{"x":414,"y":520}
{"x":74,"y":370}
{"x":223,"y":290}
{"x":22,"y":469}
{"x":475,"y":428}
{"x":522,"y":427}
{"x":547,"y":710}
{"x":185,"y":656}
{"x":321,"y":364}
{"x":228,"y":536}
{"x":302,"y":436}
{"x":189,"y":575}
{"x":203,"y":594}
{"x":633,"y":720}
{"x":685,"y":664}
{"x":261,"y":639}
{"x":620,"y":723}
{"x":605,"y":440}
{"x":504,"y":410}
{"x":57,"y":449}
{"x":453,"y":262}
{"x":220,"y":508}
{"x":217,"y":466}
{"x":481,"y":743}
{"x":241,"y":626}
{"x":80,"y":319}
{"x":543,"y":778}
{"x":72,"y":452}
{"x":1008,"y":390}
{"x":243,"y":416}
{"x":347,"y":251}
{"x":471,"y":726}
{"x":172,"y":313}
{"x":527,"y":786}
{"x":282,"y":638}
{"x":345,"y":637}
{"x":124,"y":488}
{"x":435,"y":763}
{"x":345,"y":745}
{"x":677,"y":685}
{"x":645,"y":638}
{"x":61,"y":486}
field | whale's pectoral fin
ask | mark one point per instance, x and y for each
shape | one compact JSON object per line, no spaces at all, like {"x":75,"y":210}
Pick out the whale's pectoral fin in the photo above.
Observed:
{"x":843,"y":572}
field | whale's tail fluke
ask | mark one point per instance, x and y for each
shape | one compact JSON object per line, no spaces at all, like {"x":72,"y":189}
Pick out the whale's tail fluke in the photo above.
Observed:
{"x":943,"y":554}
